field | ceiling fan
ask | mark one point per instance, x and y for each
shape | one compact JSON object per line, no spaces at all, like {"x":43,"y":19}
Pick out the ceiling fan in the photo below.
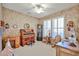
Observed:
{"x":38,"y":8}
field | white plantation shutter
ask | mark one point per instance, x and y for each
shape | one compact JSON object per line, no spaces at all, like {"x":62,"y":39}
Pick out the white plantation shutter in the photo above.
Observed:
{"x":55,"y":26}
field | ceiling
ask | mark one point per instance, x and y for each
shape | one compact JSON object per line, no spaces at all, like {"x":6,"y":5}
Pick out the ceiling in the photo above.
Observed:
{"x":27,"y":8}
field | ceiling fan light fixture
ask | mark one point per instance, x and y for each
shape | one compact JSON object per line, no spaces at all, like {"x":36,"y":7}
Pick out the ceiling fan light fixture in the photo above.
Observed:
{"x":39,"y":10}
{"x":44,"y":6}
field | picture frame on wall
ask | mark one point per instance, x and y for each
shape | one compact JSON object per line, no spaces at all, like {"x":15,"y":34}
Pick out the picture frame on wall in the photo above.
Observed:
{"x":26,"y":25}
{"x":15,"y":26}
{"x":6,"y":26}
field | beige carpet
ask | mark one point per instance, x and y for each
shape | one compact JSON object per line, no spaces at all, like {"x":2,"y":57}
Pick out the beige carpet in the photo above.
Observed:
{"x":38,"y":49}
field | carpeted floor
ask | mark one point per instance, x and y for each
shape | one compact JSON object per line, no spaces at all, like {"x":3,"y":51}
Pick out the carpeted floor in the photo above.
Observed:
{"x":38,"y":49}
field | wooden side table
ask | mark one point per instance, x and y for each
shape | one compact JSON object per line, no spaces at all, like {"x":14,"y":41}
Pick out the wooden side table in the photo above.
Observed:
{"x":14,"y":40}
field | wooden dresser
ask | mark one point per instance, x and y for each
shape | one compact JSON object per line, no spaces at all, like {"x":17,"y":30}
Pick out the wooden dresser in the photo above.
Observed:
{"x":27,"y":36}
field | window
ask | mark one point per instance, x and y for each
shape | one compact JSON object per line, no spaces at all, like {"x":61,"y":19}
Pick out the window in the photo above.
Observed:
{"x":58,"y":27}
{"x":54,"y":26}
{"x":46,"y":28}
{"x":61,"y":26}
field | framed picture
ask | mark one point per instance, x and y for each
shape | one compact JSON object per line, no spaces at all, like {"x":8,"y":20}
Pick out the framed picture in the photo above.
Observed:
{"x":26,"y":25}
{"x":7,"y":26}
{"x":15,"y":26}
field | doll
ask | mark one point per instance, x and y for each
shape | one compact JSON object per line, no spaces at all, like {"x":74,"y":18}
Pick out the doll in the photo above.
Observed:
{"x":71,"y":31}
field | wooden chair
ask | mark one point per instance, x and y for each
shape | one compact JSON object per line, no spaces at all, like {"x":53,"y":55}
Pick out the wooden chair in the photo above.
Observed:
{"x":44,"y":40}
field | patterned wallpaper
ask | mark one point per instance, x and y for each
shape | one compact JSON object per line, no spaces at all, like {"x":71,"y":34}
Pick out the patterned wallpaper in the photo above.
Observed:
{"x":0,"y":12}
{"x":15,"y":18}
